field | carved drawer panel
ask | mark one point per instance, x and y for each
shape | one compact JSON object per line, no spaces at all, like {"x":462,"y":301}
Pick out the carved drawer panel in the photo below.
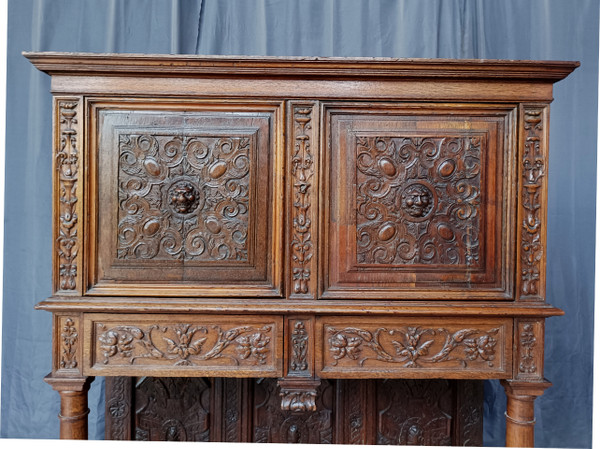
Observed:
{"x":188,"y":199}
{"x":419,"y":202}
{"x":414,"y":347}
{"x":193,"y":345}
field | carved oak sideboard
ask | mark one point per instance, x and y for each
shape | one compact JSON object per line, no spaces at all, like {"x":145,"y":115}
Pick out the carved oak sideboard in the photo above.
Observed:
{"x":299,"y":219}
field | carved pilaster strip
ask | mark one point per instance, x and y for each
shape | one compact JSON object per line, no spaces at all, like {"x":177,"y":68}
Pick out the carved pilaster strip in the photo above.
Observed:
{"x":529,"y":357}
{"x":532,"y":203}
{"x":119,"y":402}
{"x":67,"y":160}
{"x":356,"y":411}
{"x":303,"y":193}
{"x":67,"y":354}
{"x":468,"y":418}
{"x":300,"y":347}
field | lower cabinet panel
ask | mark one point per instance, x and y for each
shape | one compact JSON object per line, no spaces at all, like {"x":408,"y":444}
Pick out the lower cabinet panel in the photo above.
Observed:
{"x":183,"y":345}
{"x":385,"y":411}
{"x":413,"y":347}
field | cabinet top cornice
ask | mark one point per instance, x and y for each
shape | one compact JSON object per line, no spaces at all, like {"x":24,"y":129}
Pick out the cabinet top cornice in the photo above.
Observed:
{"x":56,"y":63}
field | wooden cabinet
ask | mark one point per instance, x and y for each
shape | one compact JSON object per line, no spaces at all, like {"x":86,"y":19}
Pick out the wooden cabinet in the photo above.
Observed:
{"x":299,"y":219}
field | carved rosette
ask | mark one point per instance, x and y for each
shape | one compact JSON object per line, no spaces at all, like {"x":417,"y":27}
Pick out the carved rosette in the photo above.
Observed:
{"x":418,"y":200}
{"x":66,"y":158}
{"x":302,"y":175}
{"x":185,"y":344}
{"x":411,"y":346}
{"x":533,"y":172}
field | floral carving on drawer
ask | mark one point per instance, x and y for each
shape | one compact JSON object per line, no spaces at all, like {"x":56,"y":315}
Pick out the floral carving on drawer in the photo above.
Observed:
{"x":418,"y":200}
{"x":420,"y":347}
{"x":184,"y":197}
{"x":185,"y":344}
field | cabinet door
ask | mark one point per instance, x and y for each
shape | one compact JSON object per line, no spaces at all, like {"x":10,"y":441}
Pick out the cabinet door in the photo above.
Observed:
{"x":418,"y":202}
{"x":186,"y":199}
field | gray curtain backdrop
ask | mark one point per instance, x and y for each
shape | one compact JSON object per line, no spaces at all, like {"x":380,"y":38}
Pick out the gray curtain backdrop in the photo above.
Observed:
{"x":508,"y":29}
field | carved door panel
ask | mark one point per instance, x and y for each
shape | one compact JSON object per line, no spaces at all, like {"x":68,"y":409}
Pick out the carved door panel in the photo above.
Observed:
{"x":188,"y":199}
{"x":418,"y":202}
{"x":416,"y":412}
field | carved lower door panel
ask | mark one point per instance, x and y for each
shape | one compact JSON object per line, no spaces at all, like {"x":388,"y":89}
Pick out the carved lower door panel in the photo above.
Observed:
{"x":399,"y":411}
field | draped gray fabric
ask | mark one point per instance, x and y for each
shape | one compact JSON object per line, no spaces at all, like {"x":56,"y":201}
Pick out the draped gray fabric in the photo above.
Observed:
{"x":509,"y":29}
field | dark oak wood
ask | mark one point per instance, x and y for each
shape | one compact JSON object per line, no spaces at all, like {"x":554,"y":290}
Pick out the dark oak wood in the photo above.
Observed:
{"x":301,"y":219}
{"x":416,"y":412}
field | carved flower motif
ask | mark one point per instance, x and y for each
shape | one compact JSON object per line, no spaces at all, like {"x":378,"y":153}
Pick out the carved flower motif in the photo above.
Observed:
{"x":184,"y":346}
{"x":119,"y":342}
{"x":483,"y":347}
{"x":411,"y":349}
{"x":301,"y":223}
{"x":342,"y":346}
{"x":255,"y":345}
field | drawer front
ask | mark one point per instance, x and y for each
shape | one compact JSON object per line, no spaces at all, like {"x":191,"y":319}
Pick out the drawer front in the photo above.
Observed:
{"x":183,"y":345}
{"x":413,"y":347}
{"x":188,"y":199}
{"x":419,"y":202}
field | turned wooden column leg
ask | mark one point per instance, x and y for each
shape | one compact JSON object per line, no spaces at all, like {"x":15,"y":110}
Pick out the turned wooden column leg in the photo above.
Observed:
{"x":520,"y":419}
{"x":73,"y":405}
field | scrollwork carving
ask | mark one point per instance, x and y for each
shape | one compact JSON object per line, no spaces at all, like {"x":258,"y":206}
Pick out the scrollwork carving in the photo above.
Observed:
{"x":411,"y":345}
{"x":299,"y":339}
{"x":184,"y":197}
{"x":69,"y":340}
{"x":527,"y":342}
{"x":418,"y":200}
{"x":67,"y":166}
{"x":533,"y":170}
{"x":302,"y":168}
{"x":185,"y":344}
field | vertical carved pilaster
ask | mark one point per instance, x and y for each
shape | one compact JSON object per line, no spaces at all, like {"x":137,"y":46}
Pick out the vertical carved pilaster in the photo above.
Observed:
{"x":67,"y":349}
{"x":119,"y":402}
{"x":468,"y":418}
{"x":533,"y":167}
{"x":303,"y":212}
{"x":69,"y":340}
{"x":529,"y":357}
{"x":299,"y":340}
{"x":67,"y":216}
{"x":356,"y":409}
